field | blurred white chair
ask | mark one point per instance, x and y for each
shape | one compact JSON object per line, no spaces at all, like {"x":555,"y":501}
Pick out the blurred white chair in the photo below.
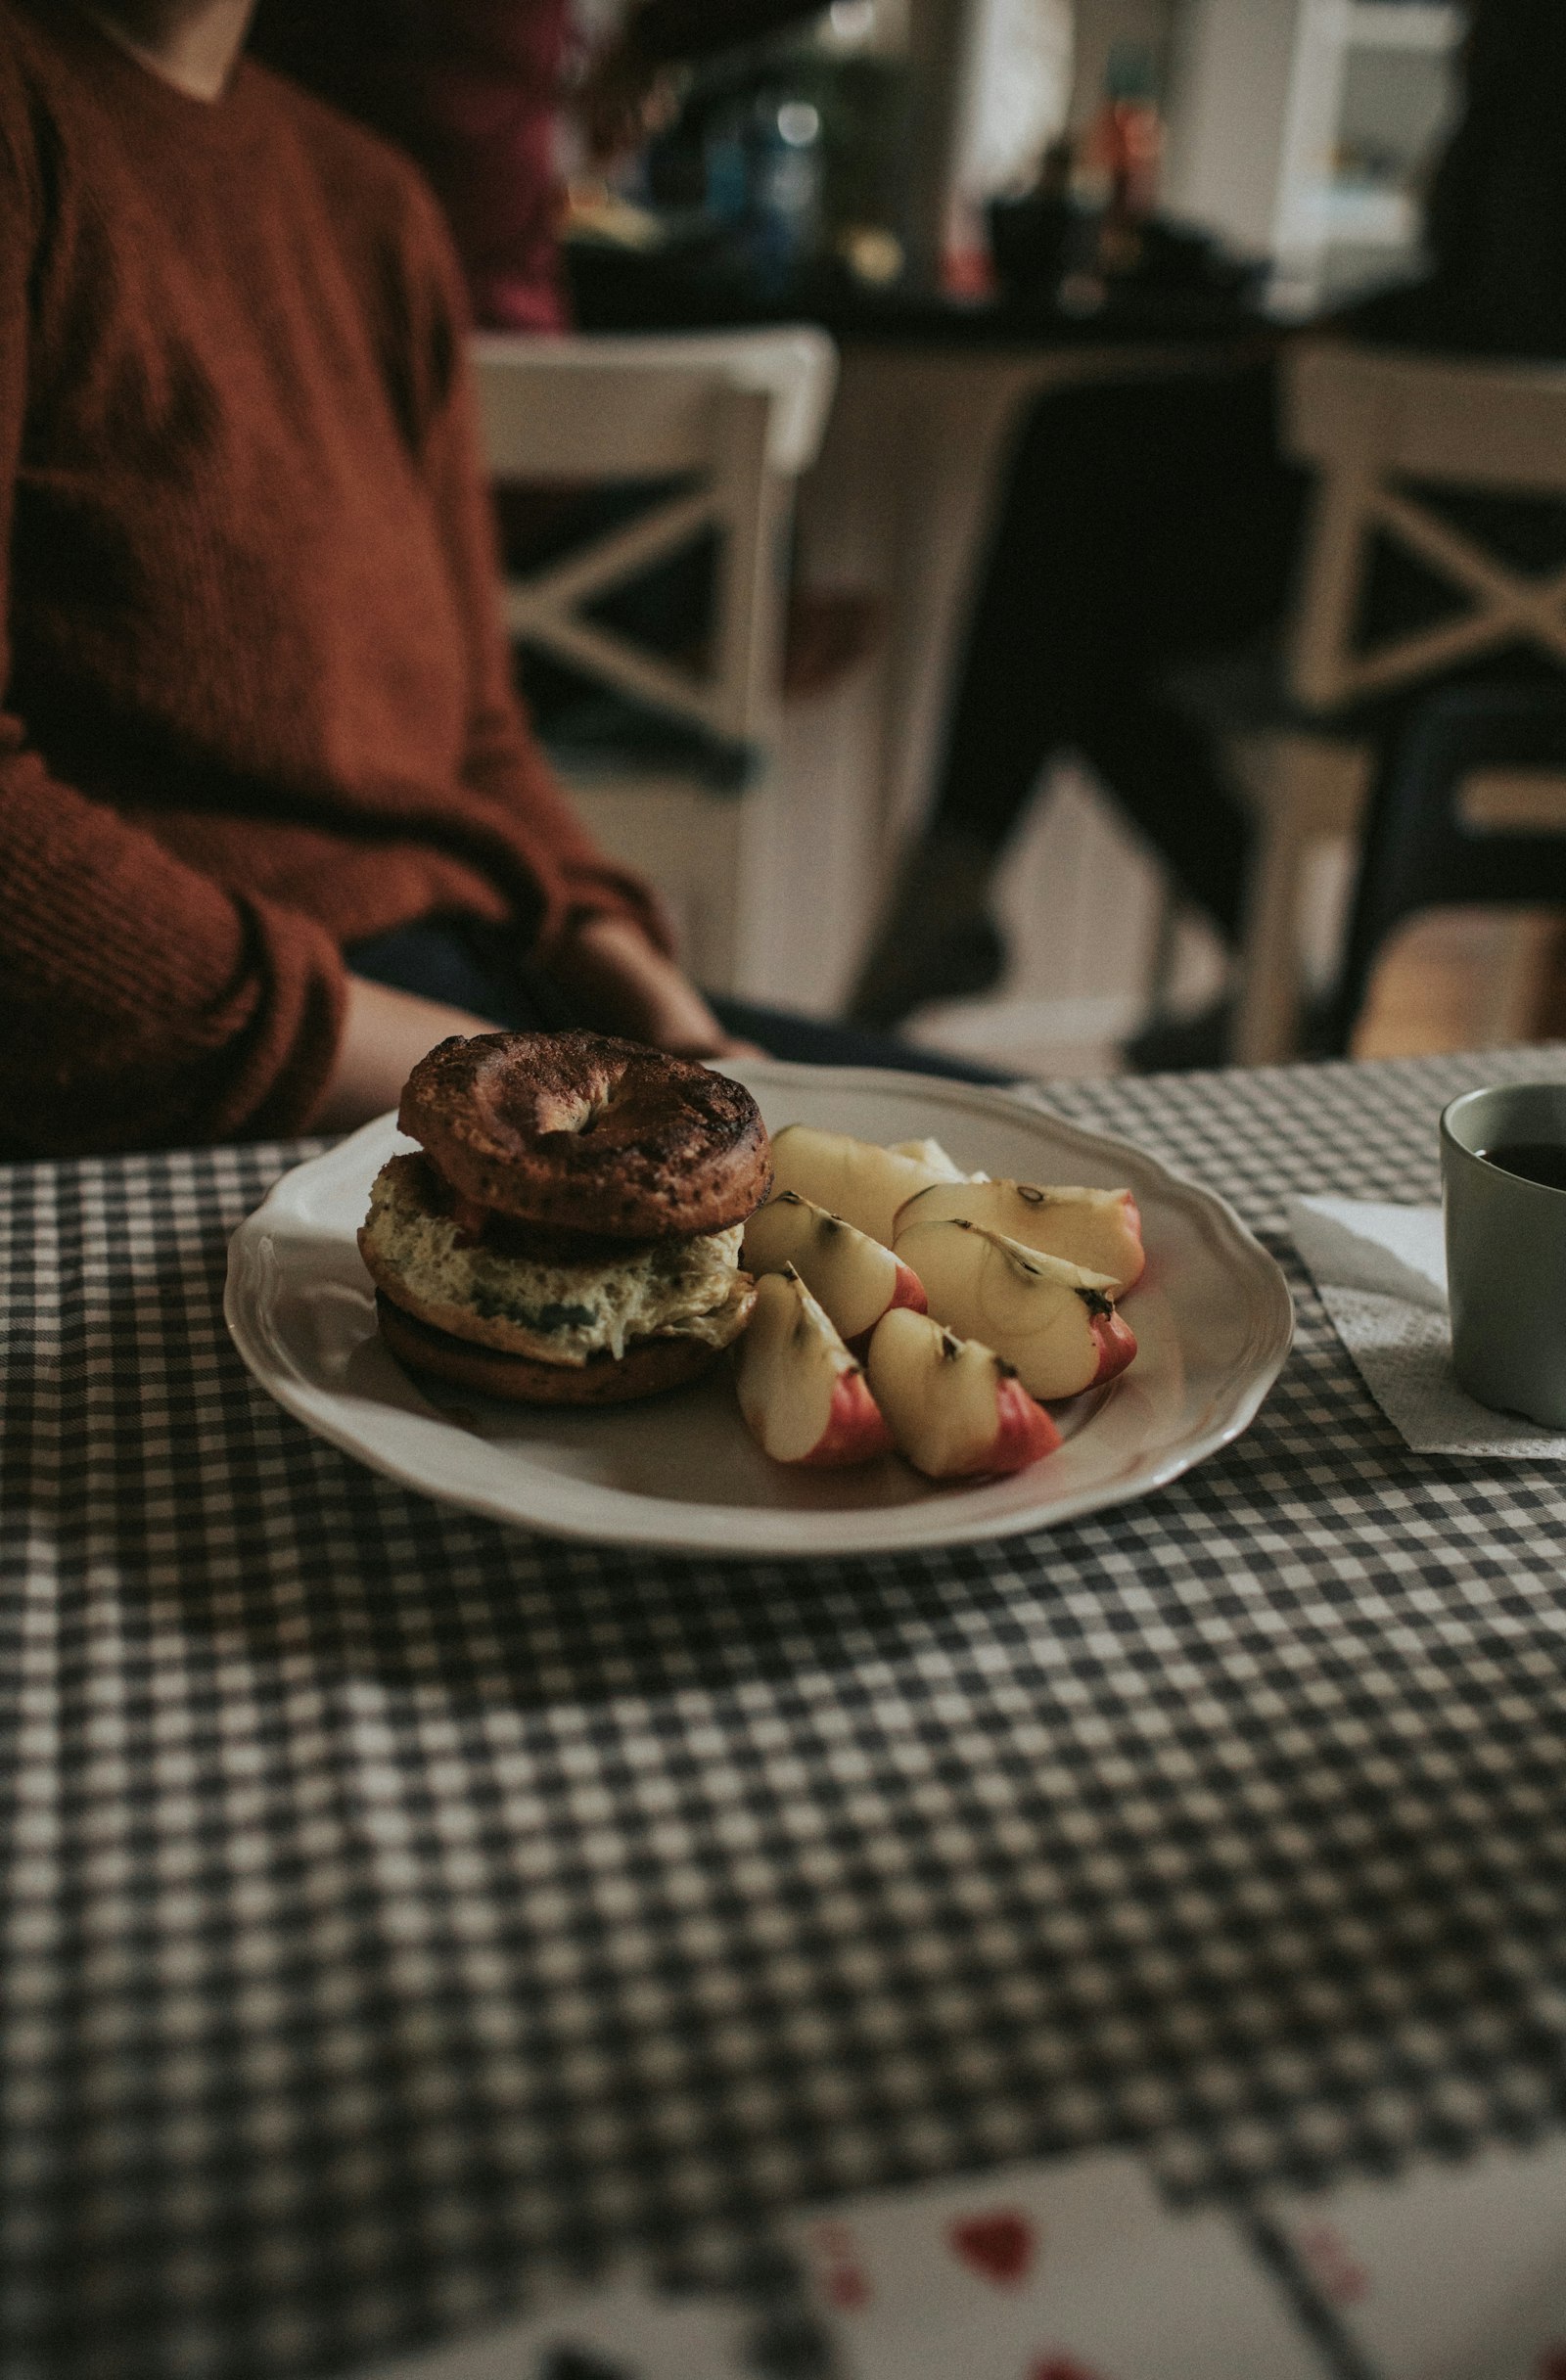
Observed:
{"x":733,"y":418}
{"x":1381,"y":428}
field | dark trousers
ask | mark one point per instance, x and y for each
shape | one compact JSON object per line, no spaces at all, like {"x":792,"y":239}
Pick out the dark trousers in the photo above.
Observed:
{"x":477,"y":967}
{"x":1142,"y":524}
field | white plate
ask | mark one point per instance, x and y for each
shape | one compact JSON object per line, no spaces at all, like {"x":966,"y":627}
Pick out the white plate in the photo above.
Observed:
{"x":1211,"y":1316}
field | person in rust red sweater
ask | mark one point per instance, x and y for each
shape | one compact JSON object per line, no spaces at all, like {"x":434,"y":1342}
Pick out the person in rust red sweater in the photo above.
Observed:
{"x":255,"y":707}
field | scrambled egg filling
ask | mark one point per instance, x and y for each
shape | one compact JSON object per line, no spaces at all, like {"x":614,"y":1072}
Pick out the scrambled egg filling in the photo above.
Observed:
{"x":560,"y":1312}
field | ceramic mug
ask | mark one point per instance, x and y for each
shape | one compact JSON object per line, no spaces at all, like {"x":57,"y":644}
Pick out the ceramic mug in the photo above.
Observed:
{"x":1507,"y":1248}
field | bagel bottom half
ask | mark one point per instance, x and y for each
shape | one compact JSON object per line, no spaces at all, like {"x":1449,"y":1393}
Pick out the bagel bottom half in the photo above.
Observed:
{"x":647,"y":1368}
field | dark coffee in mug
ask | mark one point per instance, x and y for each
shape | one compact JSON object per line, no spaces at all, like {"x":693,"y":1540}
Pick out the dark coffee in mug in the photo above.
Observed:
{"x":1534,"y":1160}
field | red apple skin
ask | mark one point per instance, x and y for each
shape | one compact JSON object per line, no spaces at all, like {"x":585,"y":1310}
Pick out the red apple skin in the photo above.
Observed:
{"x":1116,"y":1345}
{"x":906,"y":1290}
{"x":1024,"y":1432}
{"x":856,"y":1430}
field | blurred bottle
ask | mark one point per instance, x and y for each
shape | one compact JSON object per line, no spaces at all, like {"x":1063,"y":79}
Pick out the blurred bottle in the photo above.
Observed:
{"x":788,"y":188}
{"x":1035,"y":234}
{"x":764,"y":173}
{"x":1124,"y":148}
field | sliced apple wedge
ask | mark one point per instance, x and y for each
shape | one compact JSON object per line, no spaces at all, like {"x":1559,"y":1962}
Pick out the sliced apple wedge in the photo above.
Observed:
{"x":855,"y":1279}
{"x":1055,"y":1321}
{"x":853,"y":1178}
{"x":1100,"y":1229}
{"x":955,"y":1410}
{"x":804,"y":1397}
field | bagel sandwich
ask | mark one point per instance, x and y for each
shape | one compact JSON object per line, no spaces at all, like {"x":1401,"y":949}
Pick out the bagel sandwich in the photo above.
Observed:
{"x":569,"y":1230}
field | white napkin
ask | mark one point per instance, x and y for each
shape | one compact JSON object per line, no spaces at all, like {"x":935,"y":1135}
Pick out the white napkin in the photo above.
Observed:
{"x":1382,"y":1274}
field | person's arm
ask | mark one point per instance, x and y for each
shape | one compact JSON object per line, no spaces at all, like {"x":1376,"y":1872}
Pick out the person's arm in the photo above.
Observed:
{"x":384,"y":1035}
{"x":139,"y":1002}
{"x":610,"y":966}
{"x":629,"y":986}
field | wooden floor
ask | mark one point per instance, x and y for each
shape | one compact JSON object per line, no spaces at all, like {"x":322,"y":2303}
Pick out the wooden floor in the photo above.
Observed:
{"x":1464,"y":979}
{"x":1080,"y":902}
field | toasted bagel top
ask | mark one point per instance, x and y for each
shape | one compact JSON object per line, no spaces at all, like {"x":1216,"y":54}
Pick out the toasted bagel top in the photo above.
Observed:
{"x":585,"y":1133}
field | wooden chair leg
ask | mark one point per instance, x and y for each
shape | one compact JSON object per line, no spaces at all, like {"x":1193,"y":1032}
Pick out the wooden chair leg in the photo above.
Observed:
{"x":1161,"y":951}
{"x":1267,"y":1015}
{"x":1546,"y":1020}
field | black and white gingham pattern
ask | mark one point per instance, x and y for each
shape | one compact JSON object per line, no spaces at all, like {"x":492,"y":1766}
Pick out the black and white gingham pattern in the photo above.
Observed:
{"x":402,"y":1912}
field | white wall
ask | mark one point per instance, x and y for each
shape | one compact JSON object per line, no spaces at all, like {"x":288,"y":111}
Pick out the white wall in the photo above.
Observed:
{"x":1102,"y":26}
{"x":1229,"y":102}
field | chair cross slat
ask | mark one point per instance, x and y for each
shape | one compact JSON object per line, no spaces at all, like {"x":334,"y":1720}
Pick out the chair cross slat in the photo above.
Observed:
{"x":1508,"y":603}
{"x":1370,"y":420}
{"x":614,"y":661}
{"x":597,"y":568}
{"x":1508,"y":599}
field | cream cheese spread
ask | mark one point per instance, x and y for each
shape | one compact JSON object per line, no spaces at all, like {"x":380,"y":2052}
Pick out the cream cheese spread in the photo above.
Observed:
{"x":561,"y":1312}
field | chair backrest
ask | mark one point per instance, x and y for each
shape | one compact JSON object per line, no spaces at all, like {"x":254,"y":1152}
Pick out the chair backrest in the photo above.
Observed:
{"x":1382,"y":429}
{"x":734,"y":416}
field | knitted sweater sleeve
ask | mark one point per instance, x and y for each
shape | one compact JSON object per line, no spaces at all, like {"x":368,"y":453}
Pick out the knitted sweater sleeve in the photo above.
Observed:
{"x":573,"y":878}
{"x":141,"y":1004}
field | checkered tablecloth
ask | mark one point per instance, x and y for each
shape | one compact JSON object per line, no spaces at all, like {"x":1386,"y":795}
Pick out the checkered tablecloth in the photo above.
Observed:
{"x":402,"y":1912}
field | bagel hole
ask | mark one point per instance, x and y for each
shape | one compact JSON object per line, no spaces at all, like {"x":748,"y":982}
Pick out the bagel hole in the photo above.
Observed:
{"x":575,"y":1115}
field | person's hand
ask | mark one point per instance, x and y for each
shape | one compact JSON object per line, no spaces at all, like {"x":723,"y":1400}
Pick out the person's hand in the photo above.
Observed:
{"x":621,"y":101}
{"x":610,"y":966}
{"x":385,"y":1033}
